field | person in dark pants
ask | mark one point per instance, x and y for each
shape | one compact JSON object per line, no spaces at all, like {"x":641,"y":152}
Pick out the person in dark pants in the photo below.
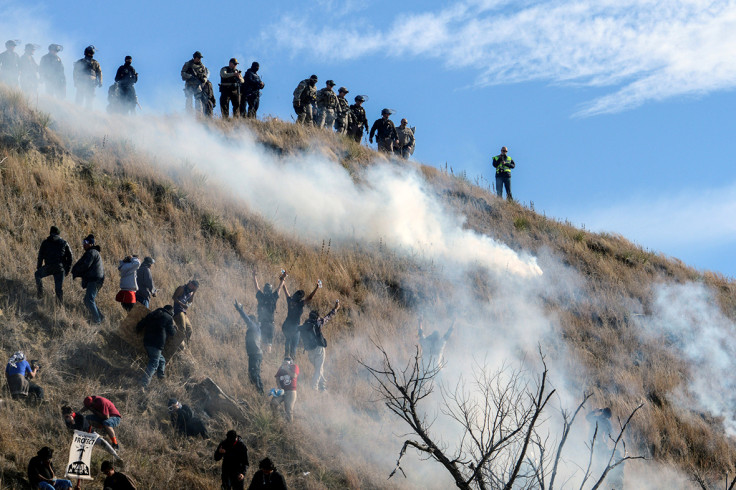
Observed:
{"x":114,"y":479}
{"x":267,"y":299}
{"x":252,"y":348}
{"x":503,"y":165}
{"x":234,"y":456}
{"x":267,"y":478}
{"x":144,"y":278}
{"x":126,"y":77}
{"x":157,"y":327}
{"x":89,"y":267}
{"x":231,"y":81}
{"x":183,"y":419}
{"x":17,"y":374}
{"x":295,"y":307}
{"x":54,"y":259}
{"x":251,"y":96}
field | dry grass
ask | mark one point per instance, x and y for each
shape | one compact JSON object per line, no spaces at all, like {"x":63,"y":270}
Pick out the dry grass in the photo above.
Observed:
{"x":134,"y":208}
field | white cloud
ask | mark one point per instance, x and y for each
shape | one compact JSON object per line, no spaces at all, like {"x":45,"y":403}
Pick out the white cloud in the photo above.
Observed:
{"x":648,"y":50}
{"x":702,"y":218}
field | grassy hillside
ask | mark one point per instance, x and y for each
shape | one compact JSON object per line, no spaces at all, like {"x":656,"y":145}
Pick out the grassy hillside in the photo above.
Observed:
{"x":50,"y":175}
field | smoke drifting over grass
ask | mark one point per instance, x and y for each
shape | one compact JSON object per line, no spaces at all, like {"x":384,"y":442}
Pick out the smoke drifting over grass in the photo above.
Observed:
{"x":690,"y":321}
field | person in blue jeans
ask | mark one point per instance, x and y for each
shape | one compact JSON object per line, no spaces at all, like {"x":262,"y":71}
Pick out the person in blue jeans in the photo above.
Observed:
{"x":157,"y":326}
{"x":41,"y":471}
{"x":89,"y":267}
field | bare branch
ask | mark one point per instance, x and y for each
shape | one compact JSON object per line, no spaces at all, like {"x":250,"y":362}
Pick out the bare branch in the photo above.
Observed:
{"x":565,"y":433}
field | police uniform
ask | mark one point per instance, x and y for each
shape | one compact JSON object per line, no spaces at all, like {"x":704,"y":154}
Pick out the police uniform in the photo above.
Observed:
{"x":126,"y":77}
{"x":304,"y":96}
{"x":230,"y":90}
{"x":194,"y":75}
{"x":342,"y":122}
{"x":52,"y":74}
{"x":358,"y":122}
{"x":503,"y":165}
{"x":9,"y":61}
{"x":327,"y":106}
{"x":28,"y":69}
{"x":385,"y":132}
{"x":405,"y":136}
{"x":87,"y":77}
{"x":251,"y":96}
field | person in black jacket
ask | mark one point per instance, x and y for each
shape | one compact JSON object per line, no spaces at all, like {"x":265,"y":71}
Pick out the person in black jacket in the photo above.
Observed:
{"x":385,"y":132}
{"x":183,"y":419}
{"x":126,"y":77}
{"x":267,"y":299}
{"x":252,"y":348}
{"x":41,"y":471}
{"x":114,"y":479}
{"x":315,"y":344}
{"x":234,"y":456}
{"x":251,"y":95}
{"x":157,"y":327}
{"x":54,"y":259}
{"x":89,"y":267}
{"x":267,"y":478}
{"x":144,"y":278}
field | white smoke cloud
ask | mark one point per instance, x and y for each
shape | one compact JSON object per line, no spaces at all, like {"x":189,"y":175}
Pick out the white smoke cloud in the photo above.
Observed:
{"x":689,"y":319}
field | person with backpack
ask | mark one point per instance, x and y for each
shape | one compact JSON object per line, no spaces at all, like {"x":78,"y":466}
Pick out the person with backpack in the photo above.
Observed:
{"x":54,"y":259}
{"x":315,"y":344}
{"x":87,"y":77}
{"x":89,"y":267}
{"x":294,"y":308}
{"x":305,"y":95}
{"x":234,"y":455}
{"x":267,"y":299}
{"x":252,"y":348}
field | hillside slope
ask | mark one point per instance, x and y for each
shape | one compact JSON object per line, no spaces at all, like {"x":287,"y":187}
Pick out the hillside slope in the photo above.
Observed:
{"x":598,"y":313}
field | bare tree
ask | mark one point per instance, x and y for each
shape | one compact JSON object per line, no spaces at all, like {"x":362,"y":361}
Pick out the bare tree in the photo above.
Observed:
{"x":500,"y":445}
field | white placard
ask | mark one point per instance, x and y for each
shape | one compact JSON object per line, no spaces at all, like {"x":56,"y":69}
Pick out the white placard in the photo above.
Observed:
{"x":80,"y":456}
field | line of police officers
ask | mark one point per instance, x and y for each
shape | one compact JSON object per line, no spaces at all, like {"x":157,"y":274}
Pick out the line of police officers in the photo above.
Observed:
{"x":322,"y":108}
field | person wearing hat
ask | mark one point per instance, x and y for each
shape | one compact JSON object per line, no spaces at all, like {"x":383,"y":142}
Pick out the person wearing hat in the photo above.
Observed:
{"x":87,"y":77}
{"x":267,"y":478}
{"x":251,"y":95}
{"x":405,"y":135}
{"x":126,"y":77}
{"x":234,"y":455}
{"x":231,"y":81}
{"x":326,"y":106}
{"x":385,"y":132}
{"x":342,"y":117}
{"x":503,"y":165}
{"x":144,"y":278}
{"x":315,"y":344}
{"x":286,"y":378}
{"x":104,"y":416}
{"x":9,"y":64}
{"x":305,"y":94}
{"x":183,"y":419}
{"x":194,"y":74}
{"x":28,"y":70}
{"x":157,"y":326}
{"x":358,"y":120}
{"x":54,"y":259}
{"x":52,"y":74}
{"x":89,"y":267}
{"x":114,"y":480}
{"x":41,"y":471}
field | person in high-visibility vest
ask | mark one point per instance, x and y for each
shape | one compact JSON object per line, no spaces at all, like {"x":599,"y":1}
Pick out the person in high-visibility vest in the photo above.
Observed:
{"x":503,"y":165}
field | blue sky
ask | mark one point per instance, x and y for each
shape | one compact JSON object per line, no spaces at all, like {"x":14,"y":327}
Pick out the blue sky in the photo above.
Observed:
{"x":619,"y":114}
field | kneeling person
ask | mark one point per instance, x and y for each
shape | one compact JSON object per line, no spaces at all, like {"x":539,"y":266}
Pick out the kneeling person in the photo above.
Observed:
{"x":183,"y":419}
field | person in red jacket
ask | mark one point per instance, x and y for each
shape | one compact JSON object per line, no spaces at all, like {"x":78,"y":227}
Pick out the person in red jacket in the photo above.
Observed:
{"x":104,"y":416}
